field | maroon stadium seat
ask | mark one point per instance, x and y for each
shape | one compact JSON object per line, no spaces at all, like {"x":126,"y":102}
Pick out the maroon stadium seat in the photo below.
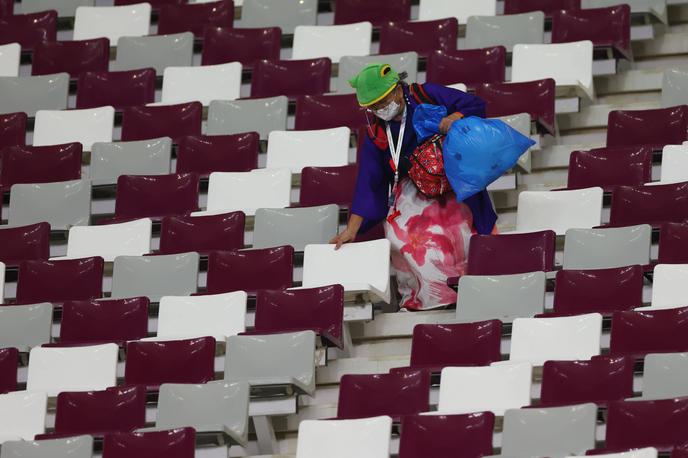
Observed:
{"x":441,"y":436}
{"x":6,"y":8}
{"x":610,"y":167}
{"x":376,"y":11}
{"x":204,"y":154}
{"x":12,"y":129}
{"x":653,"y":331}
{"x":226,"y":44}
{"x":24,"y":243}
{"x":328,"y":185}
{"x":250,"y":270}
{"x":653,"y":205}
{"x":655,"y":128}
{"x":28,"y":29}
{"x":423,"y":37}
{"x":328,"y":111}
{"x":546,"y":6}
{"x":673,"y":244}
{"x":469,"y":66}
{"x":195,"y":17}
{"x":174,"y":121}
{"x":73,"y":57}
{"x":156,"y":4}
{"x":517,"y":253}
{"x":9,"y":362}
{"x":39,"y":164}
{"x":605,"y":27}
{"x":119,"y":89}
{"x":292,"y":78}
{"x":60,"y":281}
{"x":203,"y":234}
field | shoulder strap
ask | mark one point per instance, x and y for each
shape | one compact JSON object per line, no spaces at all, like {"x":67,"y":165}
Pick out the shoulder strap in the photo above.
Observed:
{"x":419,"y":94}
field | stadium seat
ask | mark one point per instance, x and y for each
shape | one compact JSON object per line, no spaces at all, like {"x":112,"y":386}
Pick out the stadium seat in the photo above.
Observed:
{"x":519,"y":253}
{"x":65,"y":8}
{"x":217,"y":315}
{"x":653,"y":331}
{"x":655,"y":9}
{"x":673,"y":244}
{"x":112,"y":22}
{"x":292,"y":78}
{"x":248,"y":191}
{"x":55,"y":127}
{"x":39,"y":164}
{"x":438,"y":9}
{"x":202,"y":84}
{"x":279,"y":13}
{"x":358,"y":267}
{"x":24,"y":243}
{"x":180,"y":234}
{"x":131,"y":238}
{"x":250,"y":270}
{"x":229,"y":117}
{"x":500,"y":297}
{"x":205,"y":154}
{"x":82,"y":368}
{"x":9,"y":59}
{"x":470,"y":67}
{"x":569,"y":64}
{"x":349,"y":66}
{"x":156,"y":196}
{"x":320,"y":310}
{"x":328,"y":111}
{"x":438,"y":436}
{"x":507,"y":31}
{"x":680,"y":451}
{"x":104,"y":321}
{"x":332,"y":41}
{"x":674,"y":164}
{"x":62,"y":205}
{"x":610,"y":167}
{"x":674,"y":87}
{"x":362,"y":438}
{"x":156,"y":4}
{"x":71,"y":447}
{"x":493,"y":388}
{"x":533,"y":97}
{"x":296,"y":227}
{"x":652,"y":205}
{"x":195,"y":17}
{"x":28,"y":29}
{"x":155,"y":51}
{"x":60,"y":281}
{"x":559,"y":211}
{"x":174,"y":121}
{"x":422,"y":37}
{"x":246,"y":46}
{"x":25,"y":326}
{"x":308,"y":148}
{"x":647,"y":452}
{"x":155,"y":276}
{"x":213,"y":407}
{"x":143,"y":157}
{"x":553,"y":431}
{"x":665,"y":375}
{"x":633,"y":424}
{"x":605,"y":27}
{"x":394,"y":394}
{"x":654,"y":128}
{"x":32,"y":93}
{"x":174,"y":361}
{"x":603,"y":290}
{"x":286,"y":359}
{"x":23,"y":415}
{"x":668,"y":287}
{"x":327,"y":185}
{"x":171,"y":443}
{"x":12,"y":129}
{"x":607,"y":247}
{"x":377,"y":12}
{"x":98,"y":413}
{"x":9,"y":362}
{"x":73,"y":57}
{"x":600,"y":380}
{"x":6,"y":8}
{"x":537,"y":340}
{"x":118,"y":89}
{"x":547,"y":6}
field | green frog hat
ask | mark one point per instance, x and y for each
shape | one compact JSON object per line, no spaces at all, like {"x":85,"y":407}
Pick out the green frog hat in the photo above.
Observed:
{"x":373,"y":83}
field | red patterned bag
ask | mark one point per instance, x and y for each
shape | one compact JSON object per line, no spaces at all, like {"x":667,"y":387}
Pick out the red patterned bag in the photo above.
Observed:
{"x":427,"y":168}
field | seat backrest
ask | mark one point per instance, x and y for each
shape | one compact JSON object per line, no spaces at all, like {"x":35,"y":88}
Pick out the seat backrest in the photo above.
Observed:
{"x":375,"y":11}
{"x":537,"y":340}
{"x":249,"y":191}
{"x":559,"y":211}
{"x":40,"y":164}
{"x":308,"y":148}
{"x":28,"y":29}
{"x":65,"y":126}
{"x":327,"y":185}
{"x":648,"y":204}
{"x":607,"y":248}
{"x":112,"y":22}
{"x":141,"y":196}
{"x":9,"y":59}
{"x":144,"y":157}
{"x":66,"y":8}
{"x":273,"y":359}
{"x":674,"y":164}
{"x":155,"y":51}
{"x":26,"y":326}
{"x":227,"y":117}
{"x":132,"y":238}
{"x":9,"y":364}
{"x":250,"y":270}
{"x":73,"y":57}
{"x":180,"y":234}
{"x":500,"y":297}
{"x":155,"y":276}
{"x":58,"y":369}
{"x":23,"y":415}
{"x":72,"y":447}
{"x":673,"y":239}
{"x":333,"y":41}
{"x":174,"y":121}
{"x":13,"y":129}
{"x":202,"y":84}
{"x":211,"y":407}
{"x":279,"y":13}
{"x":59,"y":281}
{"x":113,"y":320}
{"x":118,"y":89}
{"x":507,"y":31}
{"x":674,"y":87}
{"x":205,"y":154}
{"x":657,"y":9}
{"x":32,"y":93}
{"x":363,"y":438}
{"x":349,"y":66}
{"x":217,"y":315}
{"x":548,"y":6}
{"x":655,"y":128}
{"x":650,"y":331}
{"x":246,"y":46}
{"x":171,"y":443}
{"x":519,"y":253}
{"x":668,"y":287}
{"x":489,"y":388}
{"x":297,"y":227}
{"x":461,"y":9}
{"x":292,"y":78}
{"x":422,"y":37}
{"x":468,"y":66}
{"x":665,"y":375}
{"x":610,"y":167}
{"x":329,"y":111}
{"x":195,"y":17}
{"x":539,"y":432}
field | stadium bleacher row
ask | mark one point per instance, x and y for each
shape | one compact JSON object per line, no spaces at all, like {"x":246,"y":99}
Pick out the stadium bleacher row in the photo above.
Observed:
{"x":172,"y":173}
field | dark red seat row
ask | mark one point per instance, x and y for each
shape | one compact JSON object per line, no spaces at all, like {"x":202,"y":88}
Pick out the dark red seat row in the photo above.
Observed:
{"x":28,"y":29}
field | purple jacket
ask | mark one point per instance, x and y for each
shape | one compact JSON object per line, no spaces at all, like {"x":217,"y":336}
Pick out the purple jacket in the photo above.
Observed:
{"x":375,"y":175}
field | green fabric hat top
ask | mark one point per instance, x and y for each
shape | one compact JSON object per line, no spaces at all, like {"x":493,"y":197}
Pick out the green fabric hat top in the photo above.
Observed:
{"x":373,"y":83}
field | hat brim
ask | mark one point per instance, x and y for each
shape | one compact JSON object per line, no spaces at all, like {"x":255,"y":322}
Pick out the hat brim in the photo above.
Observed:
{"x":389,"y":91}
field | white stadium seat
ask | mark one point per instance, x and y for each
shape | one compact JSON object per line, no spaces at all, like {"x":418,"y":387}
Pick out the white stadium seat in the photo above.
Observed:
{"x":132,"y":238}
{"x":360,"y":438}
{"x":22,"y":415}
{"x":112,"y":22}
{"x":54,"y":127}
{"x":460,"y":9}
{"x":9,"y":59}
{"x":559,"y":210}
{"x":308,"y":148}
{"x":674,"y":164}
{"x":669,"y":287}
{"x":203,"y":84}
{"x":333,"y":41}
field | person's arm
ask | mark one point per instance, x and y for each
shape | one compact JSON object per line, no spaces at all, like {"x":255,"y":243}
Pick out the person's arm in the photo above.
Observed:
{"x":348,"y":234}
{"x":459,"y":104}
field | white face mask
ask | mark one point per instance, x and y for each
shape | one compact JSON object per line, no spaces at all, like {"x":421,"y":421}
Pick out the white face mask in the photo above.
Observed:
{"x":389,"y":112}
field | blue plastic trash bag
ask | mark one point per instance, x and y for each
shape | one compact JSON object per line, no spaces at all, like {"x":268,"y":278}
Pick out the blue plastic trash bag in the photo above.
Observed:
{"x":476,"y":151}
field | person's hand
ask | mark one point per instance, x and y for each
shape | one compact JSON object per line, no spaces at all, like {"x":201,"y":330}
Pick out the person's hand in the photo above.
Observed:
{"x":447,"y":122}
{"x":346,"y":236}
